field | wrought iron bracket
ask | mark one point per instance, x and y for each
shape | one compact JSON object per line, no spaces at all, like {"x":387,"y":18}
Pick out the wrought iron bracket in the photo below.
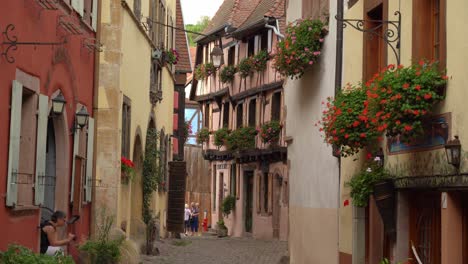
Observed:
{"x":92,"y":44}
{"x":391,"y":34}
{"x":11,"y":42}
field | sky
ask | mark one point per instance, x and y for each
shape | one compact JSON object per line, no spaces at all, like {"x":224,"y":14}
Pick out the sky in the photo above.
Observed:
{"x":194,"y":9}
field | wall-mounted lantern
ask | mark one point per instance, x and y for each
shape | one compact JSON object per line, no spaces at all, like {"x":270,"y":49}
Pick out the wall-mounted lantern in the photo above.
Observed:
{"x":217,"y":56}
{"x":58,"y":104}
{"x":453,"y":151}
{"x":81,"y":118}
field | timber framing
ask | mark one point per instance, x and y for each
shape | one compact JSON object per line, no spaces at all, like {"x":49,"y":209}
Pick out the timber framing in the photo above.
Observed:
{"x":441,"y":182}
{"x":270,"y":155}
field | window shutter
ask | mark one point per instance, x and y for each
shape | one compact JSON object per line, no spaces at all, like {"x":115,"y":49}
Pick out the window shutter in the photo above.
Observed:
{"x":236,"y":56}
{"x":14,"y":147}
{"x":76,"y":141}
{"x":256,"y":45}
{"x":89,"y":160}
{"x":42,"y":120}
{"x":78,"y":5}
{"x":270,"y":36}
{"x":94,"y":14}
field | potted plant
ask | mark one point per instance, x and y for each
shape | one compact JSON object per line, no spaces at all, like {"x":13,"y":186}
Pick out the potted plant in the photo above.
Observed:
{"x":245,"y":67}
{"x":403,"y":96}
{"x":220,"y":137}
{"x":203,"y":135}
{"x":227,"y":73}
{"x":300,"y":48}
{"x":222,"y":229}
{"x":172,"y":57}
{"x":127,"y":170}
{"x":345,"y":121}
{"x":241,"y":139}
{"x":228,"y":205}
{"x":259,"y":61}
{"x":270,"y":132}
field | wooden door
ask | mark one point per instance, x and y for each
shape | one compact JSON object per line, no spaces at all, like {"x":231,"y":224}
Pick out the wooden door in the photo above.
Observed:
{"x":220,"y":196}
{"x":176,"y":196}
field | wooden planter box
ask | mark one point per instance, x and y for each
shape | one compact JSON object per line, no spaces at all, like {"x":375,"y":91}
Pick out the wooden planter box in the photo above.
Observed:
{"x":384,"y":195}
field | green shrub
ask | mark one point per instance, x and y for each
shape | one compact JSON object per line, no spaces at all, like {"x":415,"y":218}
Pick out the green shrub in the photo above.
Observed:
{"x":229,"y":203}
{"x":17,"y":254}
{"x":362,"y":184}
{"x":220,"y":136}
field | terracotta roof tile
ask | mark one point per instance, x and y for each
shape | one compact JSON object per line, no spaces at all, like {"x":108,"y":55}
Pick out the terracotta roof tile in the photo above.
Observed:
{"x":266,"y":8}
{"x":184,"y":64}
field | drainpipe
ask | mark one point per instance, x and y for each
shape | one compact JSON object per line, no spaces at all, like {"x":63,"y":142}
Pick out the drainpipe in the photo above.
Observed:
{"x":276,"y":28}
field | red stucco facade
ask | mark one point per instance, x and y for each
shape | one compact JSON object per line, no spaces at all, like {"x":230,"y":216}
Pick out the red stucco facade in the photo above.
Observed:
{"x":68,"y":67}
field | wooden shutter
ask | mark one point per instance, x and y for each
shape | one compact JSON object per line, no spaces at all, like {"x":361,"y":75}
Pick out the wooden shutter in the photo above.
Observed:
{"x":94,"y":14}
{"x":14,"y":147}
{"x":89,"y":161}
{"x":76,"y":143}
{"x":41,"y":149}
{"x":270,"y":37}
{"x":78,"y":5}
{"x":76,"y":188}
{"x":236,"y":56}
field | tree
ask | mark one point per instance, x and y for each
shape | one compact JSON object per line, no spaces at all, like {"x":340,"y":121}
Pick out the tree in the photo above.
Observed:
{"x":198,"y":27}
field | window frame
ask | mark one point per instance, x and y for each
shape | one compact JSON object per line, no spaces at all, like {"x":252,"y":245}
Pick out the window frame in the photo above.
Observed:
{"x":126,"y":126}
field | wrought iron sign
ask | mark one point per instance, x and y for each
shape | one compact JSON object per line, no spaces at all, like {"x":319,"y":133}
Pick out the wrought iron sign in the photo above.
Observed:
{"x":11,"y":43}
{"x":391,"y":34}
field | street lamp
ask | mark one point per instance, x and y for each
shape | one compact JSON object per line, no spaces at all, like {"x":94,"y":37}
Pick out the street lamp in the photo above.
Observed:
{"x":217,"y":56}
{"x":453,"y":151}
{"x":82,"y":117}
{"x":58,"y":104}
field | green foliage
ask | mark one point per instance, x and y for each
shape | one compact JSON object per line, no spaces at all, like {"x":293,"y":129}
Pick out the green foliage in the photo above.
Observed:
{"x":198,"y":27}
{"x":17,"y":254}
{"x":259,"y":61}
{"x":220,"y":136}
{"x":102,"y":249}
{"x":245,"y":67}
{"x":229,"y":203}
{"x":152,"y":172}
{"x":362,"y":184}
{"x":203,"y":135}
{"x":241,"y":139}
{"x":172,"y":56}
{"x":227,"y":73}
{"x":345,"y":123}
{"x":203,"y":71}
{"x":221,"y":224}
{"x":300,"y":48}
{"x":401,"y":97}
{"x":270,"y":132}
{"x":387,"y":261}
{"x":187,"y":130}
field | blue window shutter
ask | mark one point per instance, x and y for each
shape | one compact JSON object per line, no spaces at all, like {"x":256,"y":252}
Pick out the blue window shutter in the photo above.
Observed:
{"x":41,"y":149}
{"x":76,"y":143}
{"x":14,"y":146}
{"x":89,"y":161}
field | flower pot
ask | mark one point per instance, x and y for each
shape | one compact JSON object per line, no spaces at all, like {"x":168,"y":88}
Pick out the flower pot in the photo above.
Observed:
{"x":384,"y":195}
{"x":222,"y":231}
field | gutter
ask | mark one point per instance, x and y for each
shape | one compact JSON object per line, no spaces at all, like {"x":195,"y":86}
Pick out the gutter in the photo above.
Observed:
{"x":275,"y":29}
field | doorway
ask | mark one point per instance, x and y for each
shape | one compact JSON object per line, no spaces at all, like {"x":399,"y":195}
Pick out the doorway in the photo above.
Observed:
{"x":248,"y":202}
{"x":276,"y":205}
{"x":220,"y":196}
{"x":49,"y":180}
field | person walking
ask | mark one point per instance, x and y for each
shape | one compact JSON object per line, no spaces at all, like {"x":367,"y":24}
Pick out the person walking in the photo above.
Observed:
{"x":187,"y":216}
{"x":195,"y":213}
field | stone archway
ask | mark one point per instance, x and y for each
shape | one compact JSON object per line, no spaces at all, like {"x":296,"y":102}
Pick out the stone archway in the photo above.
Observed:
{"x":137,"y":226}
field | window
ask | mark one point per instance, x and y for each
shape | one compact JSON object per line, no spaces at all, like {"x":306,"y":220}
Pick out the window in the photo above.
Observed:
{"x":265,"y":192}
{"x":251,"y":46}
{"x":207,"y":53}
{"x":233,"y":183}
{"x":207,"y":116}
{"x":252,"y":113}
{"x":126,"y":126}
{"x":240,"y":115}
{"x":276,"y":106}
{"x":137,"y":9}
{"x":264,"y":40}
{"x":226,"y":109}
{"x":231,"y":55}
{"x":429,"y":37}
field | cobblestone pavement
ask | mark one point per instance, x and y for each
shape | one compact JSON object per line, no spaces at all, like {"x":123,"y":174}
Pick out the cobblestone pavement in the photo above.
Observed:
{"x":213,"y":250}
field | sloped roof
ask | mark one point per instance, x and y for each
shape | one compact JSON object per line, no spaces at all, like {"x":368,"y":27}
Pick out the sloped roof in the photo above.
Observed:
{"x":184,"y":64}
{"x":266,"y":8}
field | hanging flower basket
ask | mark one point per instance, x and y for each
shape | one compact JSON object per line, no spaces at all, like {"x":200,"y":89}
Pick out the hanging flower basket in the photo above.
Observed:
{"x":241,"y":139}
{"x":270,"y":132}
{"x":345,"y":121}
{"x":220,"y":136}
{"x":187,"y":130}
{"x":227,"y":73}
{"x":127,"y":170}
{"x":172,"y":57}
{"x":203,"y":135}
{"x":259,"y":61}
{"x":245,"y":67}
{"x":300,"y":48}
{"x":203,"y":71}
{"x":403,"y":96}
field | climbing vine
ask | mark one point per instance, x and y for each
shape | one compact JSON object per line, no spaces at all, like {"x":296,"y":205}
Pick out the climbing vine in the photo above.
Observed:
{"x":152,"y":172}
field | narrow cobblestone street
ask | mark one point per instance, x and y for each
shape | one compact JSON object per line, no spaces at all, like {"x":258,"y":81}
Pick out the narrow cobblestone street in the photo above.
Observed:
{"x":213,"y":250}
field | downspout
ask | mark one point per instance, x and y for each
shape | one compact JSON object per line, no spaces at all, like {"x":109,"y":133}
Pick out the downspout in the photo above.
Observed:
{"x":276,"y":28}
{"x":338,"y":84}
{"x":97,"y":55}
